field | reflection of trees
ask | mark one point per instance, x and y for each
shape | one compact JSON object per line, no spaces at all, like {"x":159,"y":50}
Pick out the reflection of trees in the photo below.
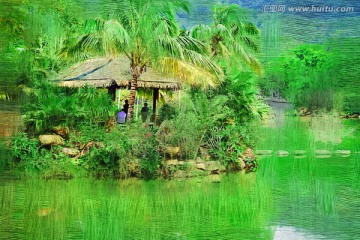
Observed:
{"x":327,"y":129}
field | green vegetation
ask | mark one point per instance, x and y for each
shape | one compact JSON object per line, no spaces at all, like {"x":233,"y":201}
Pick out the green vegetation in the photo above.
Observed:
{"x":221,"y":104}
{"x":211,"y":120}
{"x":316,"y":77}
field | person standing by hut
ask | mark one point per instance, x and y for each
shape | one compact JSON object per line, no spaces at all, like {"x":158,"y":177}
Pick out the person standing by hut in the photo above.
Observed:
{"x":121,"y":117}
{"x":126,"y":106}
{"x":144,"y":112}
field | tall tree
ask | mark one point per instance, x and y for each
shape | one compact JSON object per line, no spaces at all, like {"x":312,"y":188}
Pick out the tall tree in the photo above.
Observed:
{"x":147,"y":33}
{"x":230,"y":35}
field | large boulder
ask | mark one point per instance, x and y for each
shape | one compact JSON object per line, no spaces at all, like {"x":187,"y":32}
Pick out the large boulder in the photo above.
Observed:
{"x":62,"y":131}
{"x":172,"y":162}
{"x":47,"y":140}
{"x":201,"y":166}
{"x":212,"y":166}
{"x":70,"y":152}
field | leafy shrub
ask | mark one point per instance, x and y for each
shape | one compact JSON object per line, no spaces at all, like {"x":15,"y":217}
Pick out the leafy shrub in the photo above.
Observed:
{"x":50,"y":106}
{"x":166,"y":112}
{"x":31,"y":159}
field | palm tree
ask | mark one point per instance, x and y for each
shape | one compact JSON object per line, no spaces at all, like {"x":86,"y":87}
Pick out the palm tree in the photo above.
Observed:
{"x":147,"y":33}
{"x":230,"y":35}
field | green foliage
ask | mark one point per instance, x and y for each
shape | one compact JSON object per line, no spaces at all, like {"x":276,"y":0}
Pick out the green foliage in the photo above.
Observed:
{"x":166,"y":112}
{"x":306,"y":78}
{"x":148,"y":155}
{"x":244,"y":96}
{"x":230,"y":36}
{"x":117,"y":150}
{"x":49,"y":106}
{"x":31,"y":159}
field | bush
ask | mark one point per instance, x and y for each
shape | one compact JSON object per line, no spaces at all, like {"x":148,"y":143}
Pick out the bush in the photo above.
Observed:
{"x":48,"y":106}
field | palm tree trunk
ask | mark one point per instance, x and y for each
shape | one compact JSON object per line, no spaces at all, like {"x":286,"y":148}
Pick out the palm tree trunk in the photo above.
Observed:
{"x":132,"y":96}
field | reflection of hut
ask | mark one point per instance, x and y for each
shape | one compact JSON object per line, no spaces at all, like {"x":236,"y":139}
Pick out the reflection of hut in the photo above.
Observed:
{"x":113,"y":74}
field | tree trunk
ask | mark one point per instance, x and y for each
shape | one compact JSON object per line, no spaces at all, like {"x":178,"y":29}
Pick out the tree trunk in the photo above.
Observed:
{"x":132,"y":96}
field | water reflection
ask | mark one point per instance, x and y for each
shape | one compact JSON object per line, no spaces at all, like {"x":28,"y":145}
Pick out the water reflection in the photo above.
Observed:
{"x":288,"y":198}
{"x":287,"y":232}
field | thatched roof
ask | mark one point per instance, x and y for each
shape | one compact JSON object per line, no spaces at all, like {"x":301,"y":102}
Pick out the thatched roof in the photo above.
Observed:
{"x":102,"y":73}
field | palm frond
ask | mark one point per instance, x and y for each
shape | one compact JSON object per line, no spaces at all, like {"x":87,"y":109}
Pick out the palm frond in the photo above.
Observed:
{"x":189,"y":73}
{"x":170,"y":45}
{"x":201,"y":32}
{"x":201,"y":61}
{"x":224,"y":50}
{"x":191,"y":43}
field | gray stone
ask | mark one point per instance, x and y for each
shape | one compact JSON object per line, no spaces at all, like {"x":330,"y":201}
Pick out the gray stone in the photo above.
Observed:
{"x":343,"y":152}
{"x":212,"y":165}
{"x":51,"y":140}
{"x":299,"y":152}
{"x":201,"y":166}
{"x":172,"y":162}
{"x":322,"y":152}
{"x":282,"y":153}
{"x":71,"y":152}
{"x":263,"y":152}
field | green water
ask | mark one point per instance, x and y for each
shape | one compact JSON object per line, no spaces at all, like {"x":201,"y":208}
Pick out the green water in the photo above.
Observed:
{"x":288,"y":198}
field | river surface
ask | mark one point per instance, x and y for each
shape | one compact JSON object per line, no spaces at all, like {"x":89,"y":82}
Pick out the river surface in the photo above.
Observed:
{"x":312,"y":195}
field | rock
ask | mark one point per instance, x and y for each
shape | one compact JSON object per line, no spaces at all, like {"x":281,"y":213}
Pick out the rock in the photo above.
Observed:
{"x":222,"y":168}
{"x":191,"y":163}
{"x":304,"y":111}
{"x":249,"y":154}
{"x":263,"y":152}
{"x":282,"y":153}
{"x":179,"y":174}
{"x":198,"y":160}
{"x":172,"y":162}
{"x":62,"y":131}
{"x":172,"y":151}
{"x":201,"y":166}
{"x":46,"y":140}
{"x":241,"y":163}
{"x":181,"y":163}
{"x":212,"y":165}
{"x":70,"y":152}
{"x":343,"y":152}
{"x":299,"y":152}
{"x":322,"y":152}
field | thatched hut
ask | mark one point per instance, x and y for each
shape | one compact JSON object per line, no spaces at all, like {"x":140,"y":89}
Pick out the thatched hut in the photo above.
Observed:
{"x":113,"y":74}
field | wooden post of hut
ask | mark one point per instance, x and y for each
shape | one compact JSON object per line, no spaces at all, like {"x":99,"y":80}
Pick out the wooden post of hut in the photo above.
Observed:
{"x":155,"y":98}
